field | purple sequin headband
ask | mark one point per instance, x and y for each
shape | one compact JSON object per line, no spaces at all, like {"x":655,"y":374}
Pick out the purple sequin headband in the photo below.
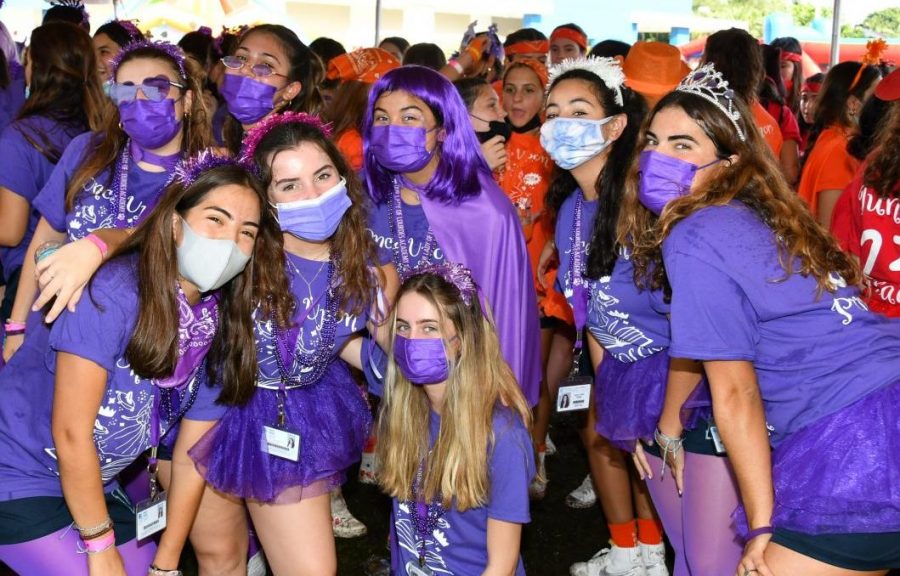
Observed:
{"x":131,"y":28}
{"x":456,"y":274}
{"x":188,"y":170}
{"x":171,"y":50}
{"x":255,"y":135}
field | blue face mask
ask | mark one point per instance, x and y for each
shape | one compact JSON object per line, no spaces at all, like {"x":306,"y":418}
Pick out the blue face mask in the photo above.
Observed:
{"x":573,"y":141}
{"x":315,"y":219}
{"x":421,"y":360}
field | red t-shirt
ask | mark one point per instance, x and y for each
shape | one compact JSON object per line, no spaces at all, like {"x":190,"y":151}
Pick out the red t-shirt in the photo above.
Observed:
{"x":868,"y":226}
{"x":787,"y":121}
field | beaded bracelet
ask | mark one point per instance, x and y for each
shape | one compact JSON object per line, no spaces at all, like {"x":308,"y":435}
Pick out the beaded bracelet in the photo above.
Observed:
{"x":157,"y":571}
{"x":669,"y":445}
{"x":95,"y":531}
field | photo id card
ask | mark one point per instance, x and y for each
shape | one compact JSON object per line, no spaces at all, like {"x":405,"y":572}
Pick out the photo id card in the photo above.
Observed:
{"x":574,"y":394}
{"x":281,"y":443}
{"x":151,"y":516}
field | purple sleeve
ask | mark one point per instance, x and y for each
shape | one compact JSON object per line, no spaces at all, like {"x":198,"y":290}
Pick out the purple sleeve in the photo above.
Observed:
{"x":18,"y":158}
{"x":712,"y":319}
{"x":204,"y":407}
{"x":100,"y":328}
{"x":51,"y":200}
{"x":511,"y":470}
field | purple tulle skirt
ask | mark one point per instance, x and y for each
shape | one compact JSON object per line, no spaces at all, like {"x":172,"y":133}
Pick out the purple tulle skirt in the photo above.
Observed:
{"x":628,"y":397}
{"x":841,"y":474}
{"x":332,"y":419}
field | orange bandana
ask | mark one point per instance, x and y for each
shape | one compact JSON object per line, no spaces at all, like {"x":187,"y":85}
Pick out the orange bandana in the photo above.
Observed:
{"x":569,"y":34}
{"x":529,"y":47}
{"x":365,"y":65}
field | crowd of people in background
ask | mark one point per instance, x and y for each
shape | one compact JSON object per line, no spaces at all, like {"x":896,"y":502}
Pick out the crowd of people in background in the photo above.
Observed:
{"x":236,"y":266}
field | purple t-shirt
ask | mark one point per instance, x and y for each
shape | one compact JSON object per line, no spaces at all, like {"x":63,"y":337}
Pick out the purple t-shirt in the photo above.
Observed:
{"x":630,"y":324}
{"x":13,"y":96}
{"x":26,"y":169}
{"x":308,"y":280}
{"x":458,"y":544}
{"x":565,"y":239}
{"x":99,"y":330}
{"x":97,"y":206}
{"x":813,"y":355}
{"x":416,"y":226}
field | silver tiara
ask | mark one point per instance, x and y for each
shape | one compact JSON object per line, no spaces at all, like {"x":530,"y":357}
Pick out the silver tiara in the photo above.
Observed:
{"x":607,"y":69}
{"x":710,"y":85}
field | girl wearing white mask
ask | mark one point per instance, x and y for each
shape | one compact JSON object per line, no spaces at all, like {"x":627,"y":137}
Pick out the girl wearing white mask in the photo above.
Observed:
{"x":591,"y":133}
{"x":287,"y":442}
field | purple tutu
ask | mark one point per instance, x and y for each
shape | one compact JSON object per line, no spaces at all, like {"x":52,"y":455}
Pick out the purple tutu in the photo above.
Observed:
{"x":629,"y":398}
{"x":332,"y":419}
{"x":841,"y":474}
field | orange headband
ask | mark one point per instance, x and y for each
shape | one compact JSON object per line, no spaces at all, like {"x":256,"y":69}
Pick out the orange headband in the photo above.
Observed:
{"x":528,"y":47}
{"x":569,"y":34}
{"x":535,"y":66}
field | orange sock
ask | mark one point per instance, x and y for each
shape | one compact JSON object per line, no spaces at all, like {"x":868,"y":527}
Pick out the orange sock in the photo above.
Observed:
{"x":623,"y":535}
{"x":650,"y":531}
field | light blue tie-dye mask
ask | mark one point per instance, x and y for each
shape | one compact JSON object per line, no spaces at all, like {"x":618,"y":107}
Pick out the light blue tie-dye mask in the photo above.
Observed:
{"x":573,"y":141}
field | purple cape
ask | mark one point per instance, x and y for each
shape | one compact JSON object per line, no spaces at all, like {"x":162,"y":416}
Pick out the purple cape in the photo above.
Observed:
{"x":484,"y":234}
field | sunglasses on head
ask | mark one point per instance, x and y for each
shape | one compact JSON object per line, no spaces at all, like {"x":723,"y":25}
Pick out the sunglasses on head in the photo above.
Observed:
{"x":259,"y":70}
{"x":155,"y":89}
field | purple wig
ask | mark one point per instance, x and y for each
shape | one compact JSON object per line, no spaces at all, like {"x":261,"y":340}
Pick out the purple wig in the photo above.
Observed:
{"x":461,"y":162}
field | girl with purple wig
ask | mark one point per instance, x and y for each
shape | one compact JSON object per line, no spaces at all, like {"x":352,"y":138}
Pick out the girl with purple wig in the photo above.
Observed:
{"x":436,"y":199}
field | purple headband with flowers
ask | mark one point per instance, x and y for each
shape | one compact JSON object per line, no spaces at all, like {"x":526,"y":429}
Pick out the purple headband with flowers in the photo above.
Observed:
{"x":456,"y":274}
{"x":255,"y":136}
{"x":188,"y":170}
{"x":170,"y":50}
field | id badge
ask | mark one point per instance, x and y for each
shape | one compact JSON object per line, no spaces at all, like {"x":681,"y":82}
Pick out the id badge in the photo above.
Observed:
{"x":574,"y":394}
{"x":151,"y":516}
{"x":712,"y":433}
{"x":414,"y":569}
{"x":281,"y":443}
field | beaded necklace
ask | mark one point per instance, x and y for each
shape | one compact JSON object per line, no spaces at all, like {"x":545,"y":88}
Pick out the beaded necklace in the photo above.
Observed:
{"x":425,"y":516}
{"x":401,"y":256}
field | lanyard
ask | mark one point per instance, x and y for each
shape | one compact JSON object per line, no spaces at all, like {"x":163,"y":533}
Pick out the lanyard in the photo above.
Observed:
{"x":579,"y":291}
{"x":153,"y":462}
{"x":401,"y":248}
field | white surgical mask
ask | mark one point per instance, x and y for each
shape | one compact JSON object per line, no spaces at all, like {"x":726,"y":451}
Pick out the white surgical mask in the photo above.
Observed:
{"x":208,"y":263}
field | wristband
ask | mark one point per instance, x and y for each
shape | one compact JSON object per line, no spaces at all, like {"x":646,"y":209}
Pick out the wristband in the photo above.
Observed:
{"x":456,"y":66}
{"x":157,"y":571}
{"x":95,"y":531}
{"x":101,"y":544}
{"x":757,"y":532}
{"x":100,"y":244}
{"x":13,"y":328}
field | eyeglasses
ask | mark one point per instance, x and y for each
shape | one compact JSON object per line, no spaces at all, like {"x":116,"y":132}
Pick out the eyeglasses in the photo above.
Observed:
{"x":155,"y":89}
{"x":259,"y":70}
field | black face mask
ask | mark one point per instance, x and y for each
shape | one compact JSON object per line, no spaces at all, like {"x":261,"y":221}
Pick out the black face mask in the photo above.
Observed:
{"x":535,"y":122}
{"x":495,"y":128}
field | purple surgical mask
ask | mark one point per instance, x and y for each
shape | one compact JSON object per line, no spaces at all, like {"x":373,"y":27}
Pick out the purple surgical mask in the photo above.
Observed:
{"x":248,"y":99}
{"x":315,"y":219}
{"x":150,"y":124}
{"x":421,"y":360}
{"x":664,"y":178}
{"x":400,"y":148}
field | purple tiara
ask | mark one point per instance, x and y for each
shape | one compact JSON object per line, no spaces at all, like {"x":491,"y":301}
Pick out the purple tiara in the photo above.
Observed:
{"x":77,"y":4}
{"x":456,"y":274}
{"x":170,"y":50}
{"x":255,"y":135}
{"x":188,"y":170}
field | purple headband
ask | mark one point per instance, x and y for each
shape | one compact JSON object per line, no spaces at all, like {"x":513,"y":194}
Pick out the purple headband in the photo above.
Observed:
{"x":131,"y":28}
{"x":188,"y":170}
{"x":255,"y":136}
{"x":170,"y":50}
{"x":456,"y":274}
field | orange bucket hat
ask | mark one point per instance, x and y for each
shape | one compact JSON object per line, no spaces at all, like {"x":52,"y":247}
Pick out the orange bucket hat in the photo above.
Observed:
{"x":653,"y":69}
{"x":365,"y":65}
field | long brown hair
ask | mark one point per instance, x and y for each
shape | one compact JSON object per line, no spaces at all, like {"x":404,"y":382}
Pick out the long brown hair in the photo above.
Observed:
{"x":351,"y":242}
{"x":883,"y":171}
{"x":347,"y":111}
{"x":753,"y":178}
{"x":305,"y":68}
{"x":64,"y":84}
{"x":480,"y":380}
{"x":196,"y":129}
{"x":153,"y":348}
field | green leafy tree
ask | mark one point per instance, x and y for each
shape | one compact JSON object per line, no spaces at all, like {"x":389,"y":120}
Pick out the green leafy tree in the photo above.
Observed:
{"x":753,"y":12}
{"x":884,"y":22}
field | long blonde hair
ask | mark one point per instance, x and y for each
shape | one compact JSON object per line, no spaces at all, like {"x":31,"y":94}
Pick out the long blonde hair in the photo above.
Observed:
{"x":480,"y":379}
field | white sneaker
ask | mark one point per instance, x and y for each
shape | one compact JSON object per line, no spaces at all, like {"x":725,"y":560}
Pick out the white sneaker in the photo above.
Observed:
{"x":368,"y":468}
{"x":257,"y":565}
{"x":551,"y":447}
{"x":613,"y":561}
{"x":583,"y":496}
{"x":344,"y":524}
{"x":654,"y":558}
{"x":538,"y":488}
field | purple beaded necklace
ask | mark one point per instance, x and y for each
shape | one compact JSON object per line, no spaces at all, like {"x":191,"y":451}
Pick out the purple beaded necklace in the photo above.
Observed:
{"x":401,"y":256}
{"x":425,"y":516}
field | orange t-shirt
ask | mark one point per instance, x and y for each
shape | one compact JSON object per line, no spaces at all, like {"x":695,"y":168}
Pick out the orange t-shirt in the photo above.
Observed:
{"x":828,"y":167}
{"x":769,"y":128}
{"x":350,"y":143}
{"x":525,"y":179}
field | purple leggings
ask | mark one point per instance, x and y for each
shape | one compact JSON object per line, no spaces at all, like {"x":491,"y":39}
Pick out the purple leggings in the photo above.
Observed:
{"x":699,"y":524}
{"x":57,"y":553}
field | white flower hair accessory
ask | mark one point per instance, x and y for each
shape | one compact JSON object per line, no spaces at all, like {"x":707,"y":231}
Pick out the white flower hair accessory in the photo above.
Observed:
{"x":709,"y":84}
{"x":609,"y":70}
